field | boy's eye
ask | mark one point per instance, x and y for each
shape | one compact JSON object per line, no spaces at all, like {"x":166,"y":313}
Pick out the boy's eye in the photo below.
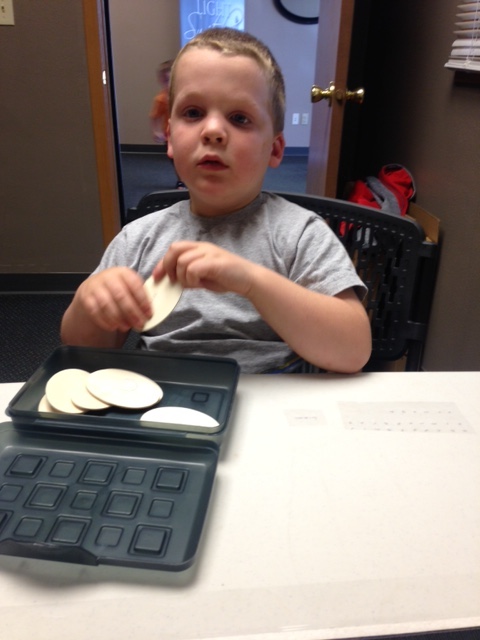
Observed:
{"x":192,"y":113}
{"x":240,"y":119}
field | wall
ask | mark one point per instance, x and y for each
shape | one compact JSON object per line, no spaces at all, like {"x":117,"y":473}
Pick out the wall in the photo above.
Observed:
{"x":141,"y":39}
{"x":294,"y":46}
{"x":418,"y":116}
{"x":49,"y":205}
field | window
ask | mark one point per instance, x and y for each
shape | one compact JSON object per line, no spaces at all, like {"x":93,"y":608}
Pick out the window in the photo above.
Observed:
{"x":198,"y":15}
{"x":465,"y":53}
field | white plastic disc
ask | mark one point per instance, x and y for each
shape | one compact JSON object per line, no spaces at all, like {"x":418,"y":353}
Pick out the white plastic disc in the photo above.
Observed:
{"x":180,"y":415}
{"x":164,"y":296}
{"x":124,"y":388}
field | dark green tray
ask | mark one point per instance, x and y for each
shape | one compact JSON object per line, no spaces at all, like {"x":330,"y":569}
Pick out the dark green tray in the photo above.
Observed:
{"x":205,"y":384}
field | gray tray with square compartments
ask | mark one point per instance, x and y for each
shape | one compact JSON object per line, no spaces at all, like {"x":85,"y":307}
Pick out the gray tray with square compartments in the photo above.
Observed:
{"x":93,"y":500}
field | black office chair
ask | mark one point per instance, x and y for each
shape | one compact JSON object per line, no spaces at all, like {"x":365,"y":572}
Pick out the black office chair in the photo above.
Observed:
{"x":391,"y":255}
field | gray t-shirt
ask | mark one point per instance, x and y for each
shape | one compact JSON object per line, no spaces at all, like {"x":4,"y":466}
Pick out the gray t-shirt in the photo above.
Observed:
{"x":270,"y":231}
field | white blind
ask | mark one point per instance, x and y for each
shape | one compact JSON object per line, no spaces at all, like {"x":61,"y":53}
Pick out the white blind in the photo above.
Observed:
{"x":466,"y":46}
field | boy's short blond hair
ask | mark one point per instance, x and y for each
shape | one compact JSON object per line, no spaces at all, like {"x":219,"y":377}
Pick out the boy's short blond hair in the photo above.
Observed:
{"x":232,"y":42}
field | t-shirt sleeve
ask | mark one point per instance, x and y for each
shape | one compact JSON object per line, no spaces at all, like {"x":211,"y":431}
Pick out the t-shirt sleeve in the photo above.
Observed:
{"x":322,"y":263}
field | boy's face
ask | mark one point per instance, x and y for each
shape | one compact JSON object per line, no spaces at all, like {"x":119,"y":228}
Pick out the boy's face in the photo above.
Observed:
{"x":221,"y":133}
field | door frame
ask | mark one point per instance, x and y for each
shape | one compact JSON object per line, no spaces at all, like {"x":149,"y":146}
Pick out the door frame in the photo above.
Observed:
{"x":102,"y":116}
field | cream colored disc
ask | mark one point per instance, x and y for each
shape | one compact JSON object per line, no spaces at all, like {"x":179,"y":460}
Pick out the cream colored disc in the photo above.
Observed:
{"x":59,"y":389}
{"x":164,"y":296}
{"x":82,"y":398}
{"x":180,"y":415}
{"x":123,"y":388}
{"x":44,"y":405}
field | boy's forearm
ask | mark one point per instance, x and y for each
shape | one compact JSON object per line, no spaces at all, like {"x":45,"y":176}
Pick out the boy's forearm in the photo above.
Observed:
{"x":332,"y":333}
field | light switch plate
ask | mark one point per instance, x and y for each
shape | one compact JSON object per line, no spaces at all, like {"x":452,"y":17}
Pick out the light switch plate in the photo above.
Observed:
{"x":6,"y":12}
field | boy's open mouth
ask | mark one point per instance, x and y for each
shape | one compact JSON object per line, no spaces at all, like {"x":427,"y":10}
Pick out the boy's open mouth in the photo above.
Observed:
{"x":211,"y":162}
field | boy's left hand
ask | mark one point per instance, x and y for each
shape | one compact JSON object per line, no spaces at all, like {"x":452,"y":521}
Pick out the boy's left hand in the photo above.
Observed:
{"x":204,"y":265}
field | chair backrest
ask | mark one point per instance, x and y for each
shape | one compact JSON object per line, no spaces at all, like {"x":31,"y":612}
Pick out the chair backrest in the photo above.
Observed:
{"x":397,"y":263}
{"x":391,"y":255}
{"x":155,"y":201}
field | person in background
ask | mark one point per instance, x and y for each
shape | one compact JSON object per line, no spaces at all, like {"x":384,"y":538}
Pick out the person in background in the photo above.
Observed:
{"x":159,"y":111}
{"x":266,"y":282}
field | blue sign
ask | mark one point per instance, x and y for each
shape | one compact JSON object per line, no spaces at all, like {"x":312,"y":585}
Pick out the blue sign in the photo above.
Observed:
{"x":198,"y":15}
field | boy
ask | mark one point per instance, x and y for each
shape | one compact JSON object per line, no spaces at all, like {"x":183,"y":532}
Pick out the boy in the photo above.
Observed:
{"x":266,"y":282}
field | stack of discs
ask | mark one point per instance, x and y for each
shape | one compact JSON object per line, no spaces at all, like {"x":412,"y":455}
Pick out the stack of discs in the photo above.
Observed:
{"x":78,"y":391}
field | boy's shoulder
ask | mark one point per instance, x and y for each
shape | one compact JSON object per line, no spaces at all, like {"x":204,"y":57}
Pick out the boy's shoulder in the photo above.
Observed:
{"x":278,"y":205}
{"x":151,"y":223}
{"x":280,"y":199}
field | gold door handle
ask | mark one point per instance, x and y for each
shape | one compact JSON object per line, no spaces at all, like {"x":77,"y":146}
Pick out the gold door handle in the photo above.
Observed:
{"x":355,"y":96}
{"x":318,"y":94}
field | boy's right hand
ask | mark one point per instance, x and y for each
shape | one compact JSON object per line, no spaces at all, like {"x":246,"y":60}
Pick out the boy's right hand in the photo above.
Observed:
{"x":115,"y":300}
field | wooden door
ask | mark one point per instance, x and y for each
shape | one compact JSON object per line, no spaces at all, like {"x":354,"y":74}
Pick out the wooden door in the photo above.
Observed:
{"x":103,"y":127}
{"x":332,"y":62}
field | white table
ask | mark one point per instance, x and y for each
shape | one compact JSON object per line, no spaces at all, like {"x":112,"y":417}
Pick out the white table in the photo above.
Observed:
{"x":343,"y":506}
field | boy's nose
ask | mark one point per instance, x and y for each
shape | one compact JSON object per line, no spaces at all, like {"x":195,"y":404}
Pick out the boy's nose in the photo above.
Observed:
{"x":213,"y":131}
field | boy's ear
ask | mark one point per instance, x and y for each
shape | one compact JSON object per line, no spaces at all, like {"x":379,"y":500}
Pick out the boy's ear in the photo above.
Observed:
{"x":278,"y":147}
{"x":167,"y":135}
